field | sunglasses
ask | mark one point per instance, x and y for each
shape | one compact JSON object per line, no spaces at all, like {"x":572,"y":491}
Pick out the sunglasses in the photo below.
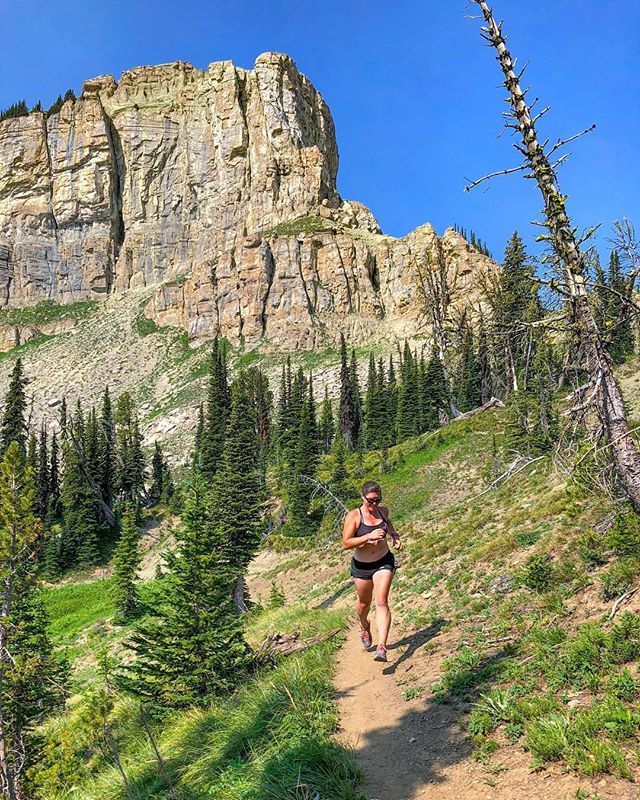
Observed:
{"x":373,"y":499}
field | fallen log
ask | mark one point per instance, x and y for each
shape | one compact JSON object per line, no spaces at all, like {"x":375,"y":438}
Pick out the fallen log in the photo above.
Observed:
{"x":287,"y":643}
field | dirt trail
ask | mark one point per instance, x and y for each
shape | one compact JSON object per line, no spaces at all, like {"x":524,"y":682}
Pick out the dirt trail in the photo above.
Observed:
{"x":416,"y":749}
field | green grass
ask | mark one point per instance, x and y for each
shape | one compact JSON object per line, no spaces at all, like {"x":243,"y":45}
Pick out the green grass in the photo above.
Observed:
{"x":47,"y":311}
{"x":306,"y":225}
{"x":73,"y":607}
{"x":35,"y":341}
{"x":274,"y":739}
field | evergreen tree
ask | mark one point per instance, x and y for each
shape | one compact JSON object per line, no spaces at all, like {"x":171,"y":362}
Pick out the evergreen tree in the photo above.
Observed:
{"x":32,"y":453}
{"x":517,"y":301}
{"x":238,"y":492}
{"x":192,"y":647}
{"x":106,"y":456}
{"x":327,"y":427}
{"x":371,"y":421}
{"x":216,"y":414}
{"x":469,"y":374}
{"x":348,"y":413}
{"x":14,"y":427}
{"x":43,"y":484}
{"x":358,"y":416}
{"x":197,"y":442}
{"x":620,"y":336}
{"x":159,"y":470}
{"x":391,"y":406}
{"x":130,"y":473}
{"x":54,"y":505}
{"x":408,"y":397}
{"x":484,"y":366}
{"x":339,"y":474}
{"x":92,"y":447}
{"x":126,"y":562}
{"x":436,"y":383}
{"x":30,"y":676}
{"x":283,"y":421}
{"x":80,"y":512}
{"x":63,"y":419}
{"x":305,"y":465}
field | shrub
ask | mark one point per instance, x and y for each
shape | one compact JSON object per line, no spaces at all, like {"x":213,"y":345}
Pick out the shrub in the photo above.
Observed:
{"x":618,"y":578}
{"x":624,"y":535}
{"x":538,"y":572}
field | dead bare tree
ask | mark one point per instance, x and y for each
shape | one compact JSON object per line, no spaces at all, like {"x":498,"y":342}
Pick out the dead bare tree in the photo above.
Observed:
{"x":605,"y":396}
{"x":437,"y":287}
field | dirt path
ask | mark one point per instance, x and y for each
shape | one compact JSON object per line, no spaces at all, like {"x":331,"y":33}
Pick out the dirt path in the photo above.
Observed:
{"x":416,"y":749}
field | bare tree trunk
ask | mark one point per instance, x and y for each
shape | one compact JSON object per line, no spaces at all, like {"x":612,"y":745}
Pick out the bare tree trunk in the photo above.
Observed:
{"x":238,"y":594}
{"x":607,"y":395}
{"x":161,"y":762}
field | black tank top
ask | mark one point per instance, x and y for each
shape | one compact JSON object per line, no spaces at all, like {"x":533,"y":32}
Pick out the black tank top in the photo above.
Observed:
{"x":364,"y":529}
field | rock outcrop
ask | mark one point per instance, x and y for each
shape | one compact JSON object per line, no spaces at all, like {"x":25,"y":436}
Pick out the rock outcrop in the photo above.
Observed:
{"x":219,"y":188}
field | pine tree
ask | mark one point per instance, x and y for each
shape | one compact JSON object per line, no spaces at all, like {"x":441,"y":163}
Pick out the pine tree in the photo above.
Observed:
{"x":32,"y":453}
{"x":197,"y":441}
{"x":54,"y":505}
{"x":282,"y":414}
{"x":43,"y":483}
{"x":14,"y":427}
{"x":216,"y":414}
{"x":358,"y":416}
{"x":348,"y":422}
{"x":238,"y":491}
{"x":391,"y":406}
{"x":339,"y":474}
{"x":327,"y":427}
{"x":620,"y":335}
{"x":305,"y":465}
{"x":63,"y":419}
{"x":484,"y":366}
{"x":92,"y":447}
{"x":371,"y":421}
{"x":130,"y":473}
{"x":408,"y":397}
{"x":158,"y":472}
{"x":80,"y":511}
{"x":469,"y":373}
{"x":192,"y":647}
{"x":29,"y":674}
{"x":517,"y":301}
{"x":126,"y":562}
{"x":106,"y":450}
{"x":436,"y":382}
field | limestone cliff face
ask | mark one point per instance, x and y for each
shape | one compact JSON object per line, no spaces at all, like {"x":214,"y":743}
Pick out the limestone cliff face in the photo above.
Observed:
{"x":219,"y":188}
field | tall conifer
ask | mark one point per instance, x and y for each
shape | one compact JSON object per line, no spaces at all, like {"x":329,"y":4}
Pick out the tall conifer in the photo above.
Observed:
{"x":14,"y":427}
{"x":216,"y":413}
{"x":126,"y":562}
{"x":327,"y":427}
{"x":347,"y":414}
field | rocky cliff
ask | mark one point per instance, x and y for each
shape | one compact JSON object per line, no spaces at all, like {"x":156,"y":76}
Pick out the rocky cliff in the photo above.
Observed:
{"x":217,"y":187}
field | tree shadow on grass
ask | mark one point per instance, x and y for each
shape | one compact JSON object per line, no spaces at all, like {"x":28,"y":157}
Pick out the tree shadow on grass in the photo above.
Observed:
{"x":340,"y":592}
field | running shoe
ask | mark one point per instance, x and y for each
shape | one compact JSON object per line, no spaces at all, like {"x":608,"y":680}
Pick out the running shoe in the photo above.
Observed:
{"x":365,"y":638}
{"x":381,"y":653}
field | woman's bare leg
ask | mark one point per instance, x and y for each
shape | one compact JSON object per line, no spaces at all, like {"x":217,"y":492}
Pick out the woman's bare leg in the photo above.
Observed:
{"x":363,"y":603}
{"x":381,"y":587}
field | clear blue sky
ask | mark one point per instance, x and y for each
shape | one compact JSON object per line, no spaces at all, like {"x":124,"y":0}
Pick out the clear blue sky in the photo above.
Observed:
{"x":413,"y":91}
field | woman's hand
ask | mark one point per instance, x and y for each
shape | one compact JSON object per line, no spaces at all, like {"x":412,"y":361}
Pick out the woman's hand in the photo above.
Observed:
{"x":376,"y":536}
{"x":397,"y":543}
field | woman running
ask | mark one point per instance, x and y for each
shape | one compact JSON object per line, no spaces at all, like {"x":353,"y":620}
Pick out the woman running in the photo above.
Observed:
{"x":365,"y":531}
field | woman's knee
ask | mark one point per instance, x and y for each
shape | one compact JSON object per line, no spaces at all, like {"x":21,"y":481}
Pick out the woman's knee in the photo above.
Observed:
{"x":382,"y":602}
{"x":362,"y":606}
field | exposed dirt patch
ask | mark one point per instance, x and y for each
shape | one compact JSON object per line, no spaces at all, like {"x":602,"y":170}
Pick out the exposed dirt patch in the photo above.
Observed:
{"x":417,"y":748}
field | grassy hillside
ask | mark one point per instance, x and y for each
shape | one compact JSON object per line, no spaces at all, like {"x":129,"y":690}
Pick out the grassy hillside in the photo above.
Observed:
{"x":515,"y":585}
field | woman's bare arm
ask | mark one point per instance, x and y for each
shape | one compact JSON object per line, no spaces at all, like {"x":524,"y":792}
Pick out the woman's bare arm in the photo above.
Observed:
{"x":394,"y":533}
